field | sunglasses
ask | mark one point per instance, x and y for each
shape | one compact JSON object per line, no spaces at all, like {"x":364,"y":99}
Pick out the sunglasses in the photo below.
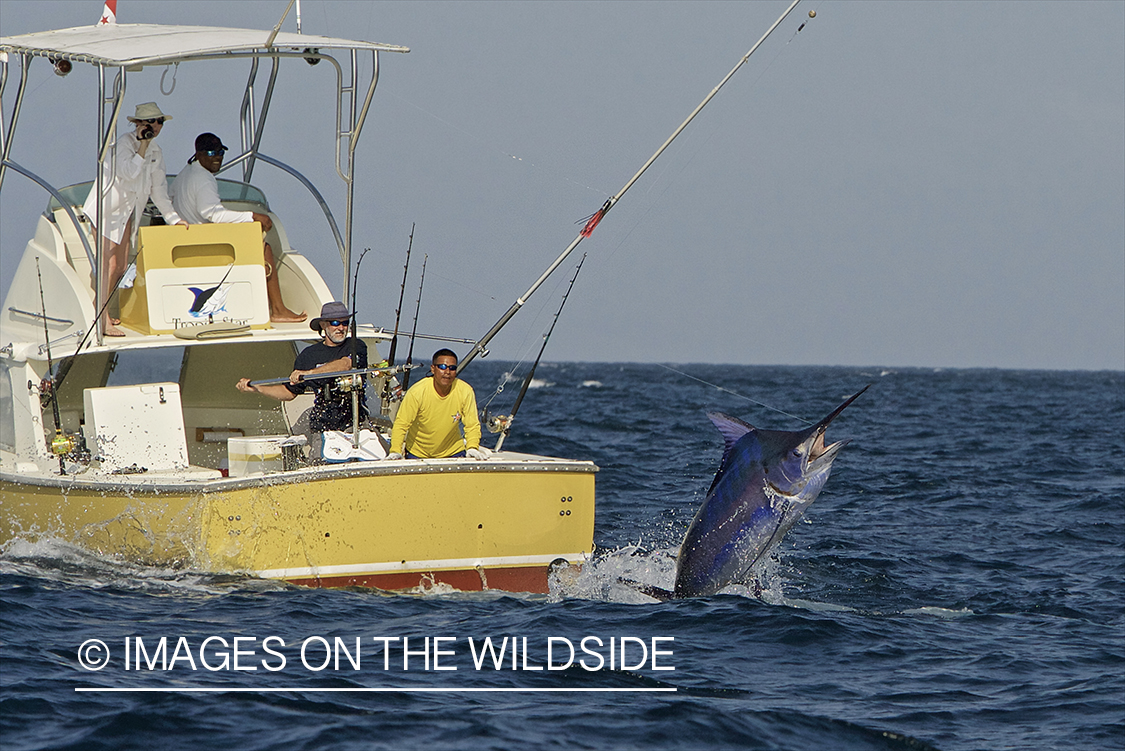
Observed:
{"x":154,"y":121}
{"x":337,"y":323}
{"x":213,"y":152}
{"x":443,"y":366}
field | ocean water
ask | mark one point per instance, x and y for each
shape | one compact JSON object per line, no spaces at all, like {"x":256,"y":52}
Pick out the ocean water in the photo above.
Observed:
{"x":959,"y":584}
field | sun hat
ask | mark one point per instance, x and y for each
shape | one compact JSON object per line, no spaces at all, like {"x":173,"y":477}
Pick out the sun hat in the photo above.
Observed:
{"x":147,"y":111}
{"x":330,"y":311}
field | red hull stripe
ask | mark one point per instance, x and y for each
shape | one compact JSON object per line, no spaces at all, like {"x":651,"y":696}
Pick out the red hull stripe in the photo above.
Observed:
{"x":512,"y":579}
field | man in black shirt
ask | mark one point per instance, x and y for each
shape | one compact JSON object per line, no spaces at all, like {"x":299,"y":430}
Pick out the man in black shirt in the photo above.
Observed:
{"x":332,"y":409}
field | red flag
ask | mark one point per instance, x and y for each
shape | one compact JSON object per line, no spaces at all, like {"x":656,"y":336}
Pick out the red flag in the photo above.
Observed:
{"x":109,"y":13}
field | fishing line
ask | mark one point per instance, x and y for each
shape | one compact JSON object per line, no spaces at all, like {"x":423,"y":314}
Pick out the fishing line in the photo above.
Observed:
{"x":461,"y":284}
{"x":525,"y":347}
{"x":812,"y":15}
{"x":704,"y":142}
{"x":657,"y":201}
{"x":735,"y":393}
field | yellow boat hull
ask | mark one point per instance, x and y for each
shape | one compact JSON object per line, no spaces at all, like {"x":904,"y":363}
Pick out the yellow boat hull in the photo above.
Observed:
{"x":499,"y":524}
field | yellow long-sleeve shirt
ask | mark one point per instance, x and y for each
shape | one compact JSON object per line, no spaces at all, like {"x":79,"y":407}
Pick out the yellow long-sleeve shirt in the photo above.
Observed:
{"x":428,"y":425}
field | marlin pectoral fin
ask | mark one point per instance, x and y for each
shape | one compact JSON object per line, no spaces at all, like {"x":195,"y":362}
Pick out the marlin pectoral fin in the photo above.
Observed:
{"x":658,"y":593}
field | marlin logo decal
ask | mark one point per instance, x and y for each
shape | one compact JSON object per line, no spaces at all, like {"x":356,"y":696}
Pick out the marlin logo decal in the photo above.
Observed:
{"x":209,"y":301}
{"x":765,"y":482}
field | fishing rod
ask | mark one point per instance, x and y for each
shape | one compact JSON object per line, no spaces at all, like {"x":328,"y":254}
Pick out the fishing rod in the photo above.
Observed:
{"x":338,"y":374}
{"x":531,"y":373}
{"x":401,"y":294}
{"x":68,"y":362}
{"x":597,"y":216}
{"x":60,"y":445}
{"x":355,"y":346}
{"x":355,"y":288}
{"x":418,"y":307}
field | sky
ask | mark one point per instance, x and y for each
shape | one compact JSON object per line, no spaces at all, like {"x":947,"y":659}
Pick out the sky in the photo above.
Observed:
{"x":923,"y":184}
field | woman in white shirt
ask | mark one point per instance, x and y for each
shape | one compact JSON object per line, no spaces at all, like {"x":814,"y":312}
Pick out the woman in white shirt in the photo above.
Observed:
{"x":138,"y":175}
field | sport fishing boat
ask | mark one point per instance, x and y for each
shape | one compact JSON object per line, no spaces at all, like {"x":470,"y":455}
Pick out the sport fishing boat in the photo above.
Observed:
{"x":178,"y":468}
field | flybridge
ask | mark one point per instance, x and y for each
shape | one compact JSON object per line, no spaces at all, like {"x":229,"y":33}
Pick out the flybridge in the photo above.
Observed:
{"x":117,"y":49}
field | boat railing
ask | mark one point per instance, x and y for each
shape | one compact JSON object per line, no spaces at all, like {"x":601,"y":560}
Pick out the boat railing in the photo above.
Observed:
{"x":62,"y":201}
{"x":308,"y":184}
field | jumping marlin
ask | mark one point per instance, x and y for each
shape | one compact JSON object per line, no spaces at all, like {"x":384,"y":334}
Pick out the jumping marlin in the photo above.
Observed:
{"x":765,"y":482}
{"x":202,"y":296}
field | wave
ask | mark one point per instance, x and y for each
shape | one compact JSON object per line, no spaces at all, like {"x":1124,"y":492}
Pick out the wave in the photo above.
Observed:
{"x":57,"y":560}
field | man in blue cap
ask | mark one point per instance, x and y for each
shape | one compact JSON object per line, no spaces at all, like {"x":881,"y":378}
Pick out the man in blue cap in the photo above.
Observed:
{"x":195,"y":196}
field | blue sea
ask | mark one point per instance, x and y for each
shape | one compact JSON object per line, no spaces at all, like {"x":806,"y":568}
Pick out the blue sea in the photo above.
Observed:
{"x":959,"y":584}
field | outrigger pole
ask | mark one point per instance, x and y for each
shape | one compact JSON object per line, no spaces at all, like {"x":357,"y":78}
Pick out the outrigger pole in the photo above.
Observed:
{"x":479,"y":347}
{"x":531,"y":373}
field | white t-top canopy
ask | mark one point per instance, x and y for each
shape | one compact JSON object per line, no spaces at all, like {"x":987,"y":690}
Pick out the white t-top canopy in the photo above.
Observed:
{"x":130,"y":45}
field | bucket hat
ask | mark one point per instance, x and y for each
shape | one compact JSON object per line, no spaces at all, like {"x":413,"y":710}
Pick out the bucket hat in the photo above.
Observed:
{"x":330,"y":311}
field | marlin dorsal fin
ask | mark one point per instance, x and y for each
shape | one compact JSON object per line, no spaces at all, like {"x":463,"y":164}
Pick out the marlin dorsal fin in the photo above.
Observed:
{"x":731,"y":427}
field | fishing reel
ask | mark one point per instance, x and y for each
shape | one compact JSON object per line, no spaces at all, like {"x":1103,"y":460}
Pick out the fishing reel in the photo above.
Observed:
{"x":69,"y":446}
{"x":387,"y":383}
{"x":392,"y":390}
{"x":63,"y":444}
{"x":46,"y":391}
{"x":349,"y":383}
{"x":497,"y":423}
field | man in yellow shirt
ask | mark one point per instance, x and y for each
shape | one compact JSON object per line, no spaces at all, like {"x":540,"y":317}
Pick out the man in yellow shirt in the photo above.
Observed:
{"x":434,"y":414}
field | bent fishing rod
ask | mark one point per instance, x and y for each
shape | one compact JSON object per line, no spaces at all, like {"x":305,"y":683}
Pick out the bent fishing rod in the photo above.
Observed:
{"x":355,"y":346}
{"x":531,"y":373}
{"x":401,"y":294}
{"x":355,"y":286}
{"x":595,"y":219}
